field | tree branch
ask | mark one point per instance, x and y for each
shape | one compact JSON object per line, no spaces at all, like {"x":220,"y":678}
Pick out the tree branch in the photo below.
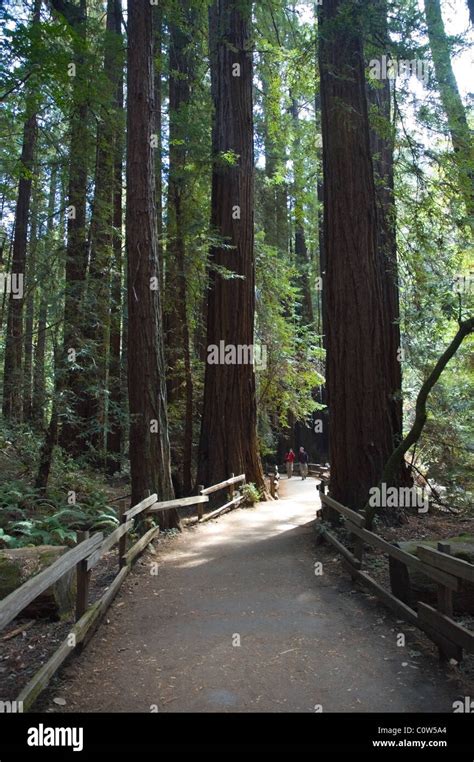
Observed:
{"x":16,"y":85}
{"x":414,"y":434}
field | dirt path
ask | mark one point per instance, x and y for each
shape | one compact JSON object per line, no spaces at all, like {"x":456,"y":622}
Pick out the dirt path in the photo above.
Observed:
{"x":170,"y":640}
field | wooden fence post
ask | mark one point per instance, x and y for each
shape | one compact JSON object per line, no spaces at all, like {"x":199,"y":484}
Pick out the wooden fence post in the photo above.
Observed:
{"x":122,"y":543}
{"x":144,"y":521}
{"x":322,"y":488}
{"x":272,"y":485}
{"x":83,"y":579}
{"x":400,"y":580}
{"x":200,"y":509}
{"x":358,"y":547}
{"x":327,"y":513}
{"x":231,"y":487}
{"x":445,"y":606}
{"x":445,"y":595}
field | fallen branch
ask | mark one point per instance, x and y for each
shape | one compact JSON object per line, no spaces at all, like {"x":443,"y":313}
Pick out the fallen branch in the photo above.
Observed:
{"x":122,"y":497}
{"x":18,"y":630}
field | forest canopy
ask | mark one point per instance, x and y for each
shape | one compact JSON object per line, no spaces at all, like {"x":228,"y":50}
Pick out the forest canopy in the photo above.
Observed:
{"x":291,"y":181}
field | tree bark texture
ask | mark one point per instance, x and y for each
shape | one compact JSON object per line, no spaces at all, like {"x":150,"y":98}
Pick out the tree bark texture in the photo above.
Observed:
{"x":149,"y":445}
{"x":228,"y":432}
{"x":358,"y":392}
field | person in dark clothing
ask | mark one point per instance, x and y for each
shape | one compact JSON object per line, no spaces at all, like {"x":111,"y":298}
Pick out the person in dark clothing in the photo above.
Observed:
{"x":303,"y":461}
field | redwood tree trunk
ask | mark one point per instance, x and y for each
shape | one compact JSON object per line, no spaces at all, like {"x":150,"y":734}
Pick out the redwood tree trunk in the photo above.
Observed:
{"x":177,"y":334}
{"x":228,"y":440}
{"x":275,"y":201}
{"x":51,"y":433}
{"x":381,"y":145}
{"x":301,"y":250}
{"x":32,"y":279}
{"x":76,"y":250}
{"x":98,"y":313}
{"x":321,"y":416}
{"x":12,"y":377}
{"x":116,"y":402}
{"x":361,"y":432}
{"x":149,"y":445}
{"x":39,"y":381}
{"x":39,"y":391}
{"x":158,"y":71}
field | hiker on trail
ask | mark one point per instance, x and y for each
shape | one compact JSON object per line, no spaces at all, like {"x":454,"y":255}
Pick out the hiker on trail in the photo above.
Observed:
{"x":303,"y":459}
{"x":289,"y":460}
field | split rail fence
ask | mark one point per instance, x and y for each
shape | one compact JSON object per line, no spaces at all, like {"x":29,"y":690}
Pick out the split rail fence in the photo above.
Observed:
{"x":447,"y":572}
{"x":84,"y":557}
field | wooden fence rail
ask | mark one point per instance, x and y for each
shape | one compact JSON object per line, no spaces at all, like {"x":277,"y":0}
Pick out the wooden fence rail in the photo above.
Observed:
{"x":183,"y":502}
{"x":234,"y":502}
{"x":84,"y":557}
{"x":438,"y":565}
{"x":14,"y":603}
{"x":227,"y":483}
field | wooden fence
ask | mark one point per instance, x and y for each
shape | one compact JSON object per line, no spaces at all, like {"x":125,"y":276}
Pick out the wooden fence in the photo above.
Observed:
{"x":84,"y":557}
{"x":232,"y":503}
{"x":445,"y":570}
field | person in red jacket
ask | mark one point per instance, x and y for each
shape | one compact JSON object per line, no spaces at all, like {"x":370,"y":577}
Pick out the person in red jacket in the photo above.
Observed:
{"x":289,"y":460}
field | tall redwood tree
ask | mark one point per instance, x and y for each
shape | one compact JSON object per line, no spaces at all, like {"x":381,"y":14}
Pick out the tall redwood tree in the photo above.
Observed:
{"x":182,"y":75}
{"x":12,"y":378}
{"x":228,"y":441}
{"x":149,"y":445}
{"x":69,"y":368}
{"x":382,"y":146}
{"x":358,"y":332}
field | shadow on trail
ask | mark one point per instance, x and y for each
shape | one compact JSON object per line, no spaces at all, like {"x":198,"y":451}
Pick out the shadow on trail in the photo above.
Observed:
{"x":236,"y":620}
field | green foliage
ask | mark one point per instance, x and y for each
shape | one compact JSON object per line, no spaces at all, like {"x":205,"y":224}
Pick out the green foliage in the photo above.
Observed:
{"x":29,"y":518}
{"x":294,"y":358}
{"x":227,"y":159}
{"x":250,"y":494}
